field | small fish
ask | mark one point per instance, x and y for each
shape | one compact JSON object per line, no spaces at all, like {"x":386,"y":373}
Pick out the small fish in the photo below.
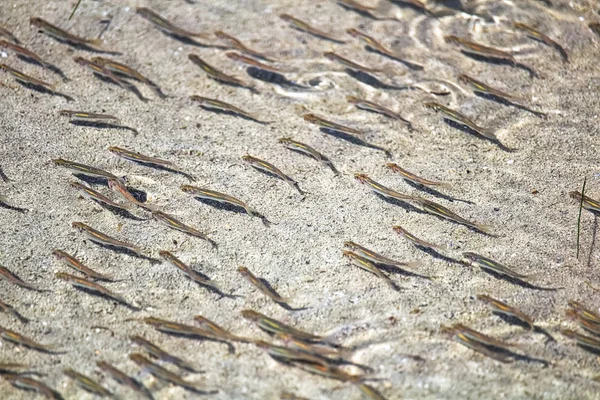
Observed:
{"x":119,"y":187}
{"x":144,"y":159}
{"x":166,"y":26}
{"x":260,"y":285}
{"x":8,"y":309}
{"x":87,"y":116}
{"x":209,"y":325}
{"x":124,"y":379}
{"x":74,"y":263}
{"x":327,"y":371}
{"x":584,"y":313}
{"x":237,"y":44}
{"x":87,"y":383}
{"x":443,"y":212}
{"x":218,"y":75}
{"x":306,"y":149}
{"x":12,"y":278}
{"x":582,"y":340}
{"x":7,"y":34}
{"x":127,"y":71}
{"x":273,"y":327}
{"x":270,"y":168}
{"x":494,"y":266}
{"x":179,"y":329}
{"x":171,"y":222}
{"x":479,"y":346}
{"x":84,"y":169}
{"x":501,"y":307}
{"x":592,"y":327}
{"x":161,"y":373}
{"x":382,"y":190}
{"x":22,"y":51}
{"x":379,"y":47}
{"x":479,"y":49}
{"x":99,"y":237}
{"x":375,"y":257}
{"x":92,"y":286}
{"x":17,"y":338}
{"x":459,"y":118}
{"x":414,"y":178}
{"x":371,"y":392}
{"x":65,"y":36}
{"x":23,"y":382}
{"x":3,"y":176}
{"x":251,"y":61}
{"x":415,"y":240}
{"x":377,"y":108}
{"x":588,"y":203}
{"x":287,"y":354}
{"x":480,"y":337}
{"x":100,"y":70}
{"x":221,"y":105}
{"x":190,"y":273}
{"x":349,"y":63}
{"x":21,"y":77}
{"x":323,"y":123}
{"x":337,"y":354}
{"x":208,"y":194}
{"x":537,"y":35}
{"x":362,"y":9}
{"x":304,"y":27}
{"x":97,"y":196}
{"x":369,"y":266}
{"x":483,"y":88}
{"x":160,"y":354}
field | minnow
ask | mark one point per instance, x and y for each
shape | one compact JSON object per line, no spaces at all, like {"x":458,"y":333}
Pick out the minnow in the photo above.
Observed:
{"x":187,"y":270}
{"x":102,"y":238}
{"x":414,"y":178}
{"x":208,"y":194}
{"x":480,"y":337}
{"x":134,"y":156}
{"x":26,"y":78}
{"x":250,"y":61}
{"x":3,"y":176}
{"x":322,"y":350}
{"x":459,"y":118}
{"x":176,"y":328}
{"x":166,"y":26}
{"x":349,"y":63}
{"x":221,"y":105}
{"x":97,"y":196}
{"x":494,"y":266}
{"x":306,"y":149}
{"x":375,"y":257}
{"x":237,"y":44}
{"x":12,"y":278}
{"x":92,"y":286}
{"x":23,"y":382}
{"x":7,"y":308}
{"x":65,"y":36}
{"x":478,"y":346}
{"x":382,"y":190}
{"x":582,"y":340}
{"x":124,"y":379}
{"x":88,"y":115}
{"x":323,"y":123}
{"x":304,"y":27}
{"x":479,"y":49}
{"x":7,"y":34}
{"x":22,"y":51}
{"x":588,"y":203}
{"x":362,"y":9}
{"x":119,"y":187}
{"x":100,"y":70}
{"x":74,"y":263}
{"x":87,"y":383}
{"x":584,"y":313}
{"x":260,"y":285}
{"x":171,"y":222}
{"x":17,"y":338}
{"x":209,"y":325}
{"x":84,"y":169}
{"x":501,"y":307}
{"x":592,"y":327}
{"x":161,"y":373}
{"x":415,"y":240}
{"x":537,"y":35}
{"x":371,"y":392}
{"x":287,"y":354}
{"x":161,"y":354}
{"x":367,"y":265}
{"x":327,"y":371}
{"x":218,"y":75}
{"x":379,"y":47}
{"x":443,"y":212}
{"x":272,"y":326}
{"x":484,"y":88}
{"x":127,"y":71}
{"x":377,"y":108}
{"x":270,"y":168}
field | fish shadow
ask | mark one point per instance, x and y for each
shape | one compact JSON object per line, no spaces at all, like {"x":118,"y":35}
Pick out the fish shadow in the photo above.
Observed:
{"x":392,"y":269}
{"x":272,"y":77}
{"x":403,"y":4}
{"x":119,"y":211}
{"x":53,"y":68}
{"x":502,"y":61}
{"x":84,"y":47}
{"x":372,"y":81}
{"x":325,"y":159}
{"x":124,"y":84}
{"x":589,"y":349}
{"x":408,"y":64}
{"x":199,"y":336}
{"x":92,"y":180}
{"x":232,"y":113}
{"x":466,"y":129}
{"x":44,"y":90}
{"x":13,"y":208}
{"x":517,"y":281}
{"x":355,"y":140}
{"x":98,"y":294}
{"x":512,"y":320}
{"x":164,"y":168}
{"x":593,"y":244}
{"x":128,"y":252}
{"x":404,"y":204}
{"x":329,"y":39}
{"x":436,"y":254}
{"x":150,"y":83}
{"x":234,"y":85}
{"x":102,"y":125}
{"x":272,"y":175}
{"x":55,"y":394}
{"x":435,"y":192}
{"x":509,"y":103}
{"x":192,"y":42}
{"x":275,"y":293}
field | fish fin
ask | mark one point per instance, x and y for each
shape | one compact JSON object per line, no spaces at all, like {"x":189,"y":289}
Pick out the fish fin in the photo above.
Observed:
{"x":410,"y":265}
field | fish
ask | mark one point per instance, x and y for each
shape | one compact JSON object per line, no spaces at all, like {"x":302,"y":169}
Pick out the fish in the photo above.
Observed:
{"x":272,"y":326}
{"x":65,"y":36}
{"x":124,"y":379}
{"x":3,"y":176}
{"x":415,"y":4}
{"x":97,"y":196}
{"x":484,"y":88}
{"x":218,"y":75}
{"x":17,"y":338}
{"x":8,"y":309}
{"x":87,"y":116}
{"x":305,"y":27}
{"x":171,"y":222}
{"x":443,"y":212}
{"x":375,"y":257}
{"x":22,"y":51}
{"x":287,"y":354}
{"x":221,"y":105}
{"x":92,"y":286}
{"x":7,"y":34}
{"x":270,"y":168}
{"x":308,"y":150}
{"x":369,"y":266}
{"x":479,"y":49}
{"x":481,"y":338}
{"x":21,"y":77}
{"x":349,"y":63}
{"x":377,"y":108}
{"x":188,"y":271}
{"x":166,"y":26}
{"x":478,"y":346}
{"x":23,"y":382}
{"x":371,"y":392}
{"x":362,"y":9}
{"x":379,"y":47}
{"x":494,"y":266}
{"x":323,"y":123}
{"x":6,"y":274}
{"x":336,"y":354}
{"x":251,"y":61}
{"x":592,"y":327}
{"x":84,"y":169}
{"x":537,"y":35}
{"x":382,"y":190}
{"x":237,"y":44}
{"x":134,"y":156}
{"x":582,"y":340}
{"x":74,"y":263}
{"x":414,"y":178}
{"x":260,"y":285}
{"x":501,"y":307}
{"x":588,"y":203}
{"x":459,"y":118}
{"x":101,"y":70}
{"x":180,"y":329}
{"x":211,"y":326}
{"x":160,"y":354}
{"x":327,"y":371}
{"x":127,"y":71}
{"x":584,"y":313}
{"x":415,"y":240}
{"x":208,"y":194}
{"x":99,"y":237}
{"x":161,"y":373}
{"x":87,"y":383}
{"x":118,"y":186}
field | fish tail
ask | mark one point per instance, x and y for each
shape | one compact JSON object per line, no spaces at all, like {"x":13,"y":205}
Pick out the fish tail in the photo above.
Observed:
{"x":483,"y":228}
{"x":251,"y":212}
{"x":410,"y":265}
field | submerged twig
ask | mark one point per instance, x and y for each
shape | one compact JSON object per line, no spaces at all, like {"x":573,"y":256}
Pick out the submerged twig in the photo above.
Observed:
{"x":579,"y":217}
